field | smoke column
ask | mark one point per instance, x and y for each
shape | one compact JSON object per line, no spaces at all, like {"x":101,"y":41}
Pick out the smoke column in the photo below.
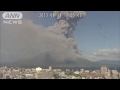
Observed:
{"x":30,"y":44}
{"x":65,"y":25}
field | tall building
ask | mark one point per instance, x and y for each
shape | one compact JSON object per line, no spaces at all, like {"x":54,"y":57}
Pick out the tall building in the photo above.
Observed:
{"x":114,"y":73}
{"x":103,"y":70}
{"x":50,"y":68}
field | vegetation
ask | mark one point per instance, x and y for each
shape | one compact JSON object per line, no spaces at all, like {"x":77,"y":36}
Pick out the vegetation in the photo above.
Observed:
{"x":69,"y":73}
{"x":56,"y":76}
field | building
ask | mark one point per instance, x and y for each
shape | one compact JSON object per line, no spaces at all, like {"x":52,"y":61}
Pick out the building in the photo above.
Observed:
{"x":107,"y":75}
{"x":82,"y":70}
{"x":1,"y":75}
{"x":103,"y":70}
{"x":67,"y":70}
{"x":76,"y":72}
{"x":29,"y":76}
{"x":38,"y":69}
{"x":58,"y":70}
{"x":62,"y":74}
{"x":86,"y":71}
{"x":114,"y":73}
{"x":44,"y":75}
{"x":109,"y":71}
{"x":119,"y":75}
{"x":50,"y":68}
{"x":7,"y":76}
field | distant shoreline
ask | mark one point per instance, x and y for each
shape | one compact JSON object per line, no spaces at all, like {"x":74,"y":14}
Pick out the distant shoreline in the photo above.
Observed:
{"x":77,"y":68}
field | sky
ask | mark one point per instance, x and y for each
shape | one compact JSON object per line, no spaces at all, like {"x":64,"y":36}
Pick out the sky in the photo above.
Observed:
{"x":97,"y":34}
{"x":98,"y":31}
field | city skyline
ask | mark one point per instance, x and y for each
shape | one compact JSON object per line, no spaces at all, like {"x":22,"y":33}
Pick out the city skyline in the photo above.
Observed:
{"x":40,"y":73}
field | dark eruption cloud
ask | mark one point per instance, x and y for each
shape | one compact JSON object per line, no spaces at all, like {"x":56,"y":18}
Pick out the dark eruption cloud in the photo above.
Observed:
{"x":65,"y":25}
{"x":33,"y":43}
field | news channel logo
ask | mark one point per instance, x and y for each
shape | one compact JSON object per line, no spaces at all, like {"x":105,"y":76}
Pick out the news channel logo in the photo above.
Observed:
{"x":12,"y":17}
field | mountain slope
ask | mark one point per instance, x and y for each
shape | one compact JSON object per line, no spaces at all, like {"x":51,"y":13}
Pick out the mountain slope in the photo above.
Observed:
{"x":40,"y":61}
{"x":109,"y":62}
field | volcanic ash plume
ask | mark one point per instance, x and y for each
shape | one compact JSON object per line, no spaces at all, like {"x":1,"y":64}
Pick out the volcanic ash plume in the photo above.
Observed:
{"x":65,"y":25}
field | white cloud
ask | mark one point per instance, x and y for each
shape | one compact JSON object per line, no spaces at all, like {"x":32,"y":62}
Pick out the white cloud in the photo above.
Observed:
{"x":105,"y":54}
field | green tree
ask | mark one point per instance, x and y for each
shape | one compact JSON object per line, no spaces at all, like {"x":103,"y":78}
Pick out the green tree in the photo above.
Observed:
{"x":56,"y":76}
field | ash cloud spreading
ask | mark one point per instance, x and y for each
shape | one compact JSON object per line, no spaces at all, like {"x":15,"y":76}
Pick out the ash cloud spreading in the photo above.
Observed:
{"x":65,"y":26}
{"x":35,"y":43}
